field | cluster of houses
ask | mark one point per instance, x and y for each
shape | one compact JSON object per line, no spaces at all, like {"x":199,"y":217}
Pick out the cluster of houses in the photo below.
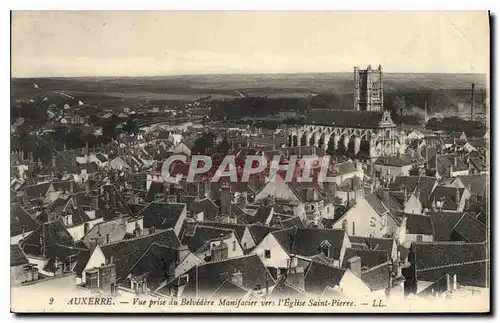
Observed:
{"x":413,"y":226}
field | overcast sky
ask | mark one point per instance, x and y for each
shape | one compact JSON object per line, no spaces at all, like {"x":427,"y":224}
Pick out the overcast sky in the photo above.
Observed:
{"x":167,"y":43}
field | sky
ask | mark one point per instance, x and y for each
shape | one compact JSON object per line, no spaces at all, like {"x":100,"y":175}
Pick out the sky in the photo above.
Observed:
{"x":148,"y":43}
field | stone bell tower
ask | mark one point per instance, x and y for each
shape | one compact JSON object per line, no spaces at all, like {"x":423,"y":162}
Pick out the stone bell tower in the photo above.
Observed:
{"x":368,"y":89}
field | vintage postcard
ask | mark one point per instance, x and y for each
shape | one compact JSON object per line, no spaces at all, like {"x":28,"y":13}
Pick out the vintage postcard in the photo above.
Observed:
{"x":241,"y":161}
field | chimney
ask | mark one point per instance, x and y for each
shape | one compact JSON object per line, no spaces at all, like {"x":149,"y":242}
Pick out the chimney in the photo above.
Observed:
{"x":354,"y":264}
{"x":455,"y":284}
{"x":449,"y":283}
{"x":113,"y":198}
{"x":182,"y":252}
{"x":72,"y":187}
{"x":152,"y":230}
{"x":472,"y":101}
{"x":87,"y":186}
{"x":53,"y":161}
{"x":457,"y":195}
{"x":455,"y":161}
{"x":225,"y":199}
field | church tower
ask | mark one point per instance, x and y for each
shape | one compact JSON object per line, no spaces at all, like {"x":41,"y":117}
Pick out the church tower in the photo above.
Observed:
{"x":368,"y":89}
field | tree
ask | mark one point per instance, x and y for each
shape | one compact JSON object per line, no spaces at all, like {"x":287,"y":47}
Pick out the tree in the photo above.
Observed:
{"x":205,"y":142}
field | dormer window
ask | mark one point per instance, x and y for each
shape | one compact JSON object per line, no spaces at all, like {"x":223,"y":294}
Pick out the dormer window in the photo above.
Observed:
{"x":325,"y":248}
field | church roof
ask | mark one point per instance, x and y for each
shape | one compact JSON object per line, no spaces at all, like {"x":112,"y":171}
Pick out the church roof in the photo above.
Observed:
{"x":346,"y":118}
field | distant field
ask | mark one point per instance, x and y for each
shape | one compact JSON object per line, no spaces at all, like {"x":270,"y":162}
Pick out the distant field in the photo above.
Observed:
{"x":441,"y":90}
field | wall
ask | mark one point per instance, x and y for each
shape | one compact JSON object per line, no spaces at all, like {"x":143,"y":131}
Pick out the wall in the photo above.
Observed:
{"x":247,"y":241}
{"x":231,"y":253}
{"x":40,"y":263}
{"x":352,"y":286}
{"x":409,"y":238}
{"x":78,"y":231}
{"x":279,"y":189}
{"x":115,"y":228}
{"x":360,"y":214}
{"x":392,"y":171}
{"x":131,"y":224}
{"x":279,"y":257}
{"x":17,"y":274}
{"x":96,"y":260}
{"x":189,"y":262}
{"x":413,"y":205}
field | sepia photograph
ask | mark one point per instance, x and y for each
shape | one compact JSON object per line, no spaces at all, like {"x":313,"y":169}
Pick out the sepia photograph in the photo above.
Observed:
{"x":250,"y":162}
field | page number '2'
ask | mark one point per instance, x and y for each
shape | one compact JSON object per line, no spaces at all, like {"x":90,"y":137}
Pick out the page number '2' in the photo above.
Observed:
{"x":51,"y":300}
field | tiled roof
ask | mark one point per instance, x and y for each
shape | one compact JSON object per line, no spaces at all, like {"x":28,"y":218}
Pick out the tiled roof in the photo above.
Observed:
{"x":259,"y":232}
{"x":369,"y":258}
{"x":292,"y":222}
{"x":443,"y":224}
{"x":476,"y":184}
{"x":229,"y":289}
{"x":162,"y":215}
{"x":239,"y":229}
{"x":209,"y":276}
{"x":419,"y":224}
{"x":200,"y":238}
{"x":376,"y":278}
{"x":307,"y":241}
{"x":155,"y":263}
{"x":20,"y":219}
{"x":17,"y":256}
{"x":285,"y":238}
{"x":262,"y":214}
{"x":360,"y":242}
{"x":48,"y":235}
{"x":470,"y":229}
{"x":469,"y":261}
{"x":448,"y":196}
{"x":126,"y":252}
{"x":319,"y":275}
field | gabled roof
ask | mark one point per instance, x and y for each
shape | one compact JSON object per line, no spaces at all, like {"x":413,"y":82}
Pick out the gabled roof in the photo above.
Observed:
{"x":37,"y":191}
{"x":199,"y":239}
{"x":469,"y":229}
{"x":285,"y":238}
{"x":319,"y":275}
{"x":125,"y":253}
{"x":229,"y":289}
{"x":292,"y":222}
{"x":20,"y":220}
{"x":162,"y":215}
{"x":156,"y":263}
{"x":419,"y":224}
{"x":369,"y":258}
{"x":469,"y":261}
{"x":371,"y":243}
{"x":444,"y":223}
{"x":307,"y":241}
{"x":376,"y":278}
{"x":263,"y":213}
{"x":284,"y":288}
{"x":239,"y":229}
{"x":448,"y":196}
{"x":17,"y":256}
{"x":260,"y":231}
{"x":47,"y":235}
{"x":209,"y":276}
{"x":476,"y":184}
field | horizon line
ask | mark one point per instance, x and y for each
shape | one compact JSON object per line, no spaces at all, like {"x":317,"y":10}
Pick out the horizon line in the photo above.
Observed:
{"x":227,"y":74}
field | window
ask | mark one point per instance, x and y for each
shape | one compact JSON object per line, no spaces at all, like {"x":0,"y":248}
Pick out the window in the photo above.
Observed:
{"x":353,"y":229}
{"x":419,"y":238}
{"x":267,"y":254}
{"x":107,"y":237}
{"x":234,"y":245}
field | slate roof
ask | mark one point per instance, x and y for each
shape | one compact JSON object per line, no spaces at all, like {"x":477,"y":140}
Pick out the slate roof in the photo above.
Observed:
{"x":419,"y":224}
{"x":285,"y":289}
{"x":229,"y":289}
{"x":262,"y":214}
{"x":469,"y":261}
{"x":424,"y":184}
{"x":20,"y":219}
{"x":37,"y":191}
{"x":376,"y":278}
{"x":292,"y":222}
{"x":259,"y":232}
{"x":162,"y":215}
{"x":307,"y":241}
{"x":369,"y":258}
{"x":200,"y":238}
{"x":127,"y":252}
{"x":372,"y":243}
{"x":154,"y":188}
{"x":239,"y":229}
{"x":439,"y":286}
{"x":52,"y":233}
{"x":155,"y":263}
{"x":17,"y":256}
{"x":448,"y":196}
{"x":285,"y":238}
{"x":476,"y":184}
{"x":469,"y":229}
{"x":444,"y":223}
{"x":319,"y":275}
{"x":346,"y":118}
{"x":394,"y":161}
{"x":209,"y":276}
